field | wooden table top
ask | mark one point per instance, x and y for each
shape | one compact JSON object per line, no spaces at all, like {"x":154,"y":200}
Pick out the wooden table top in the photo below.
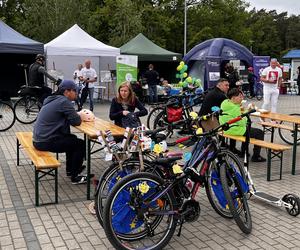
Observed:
{"x":91,"y":128}
{"x":278,"y":117}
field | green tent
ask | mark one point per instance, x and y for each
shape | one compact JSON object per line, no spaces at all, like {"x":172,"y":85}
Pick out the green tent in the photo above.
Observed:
{"x":146,"y":50}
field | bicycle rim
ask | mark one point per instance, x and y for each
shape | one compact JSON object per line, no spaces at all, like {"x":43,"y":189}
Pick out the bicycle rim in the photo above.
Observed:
{"x":110,"y":177}
{"x":236,"y":198}
{"x":7,"y":116}
{"x":27,"y":109}
{"x":132,"y":220}
{"x":152,"y":116}
{"x":213,"y":186}
{"x":288,"y":136}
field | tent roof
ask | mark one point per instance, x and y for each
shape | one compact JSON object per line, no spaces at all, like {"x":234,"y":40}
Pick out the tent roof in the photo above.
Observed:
{"x":292,"y":54}
{"x":146,"y":50}
{"x":224,"y":48}
{"x":12,"y":41}
{"x":76,"y":42}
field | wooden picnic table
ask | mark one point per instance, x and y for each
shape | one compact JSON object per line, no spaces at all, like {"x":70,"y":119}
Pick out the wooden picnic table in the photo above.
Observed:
{"x":90,"y":130}
{"x":285,"y":118}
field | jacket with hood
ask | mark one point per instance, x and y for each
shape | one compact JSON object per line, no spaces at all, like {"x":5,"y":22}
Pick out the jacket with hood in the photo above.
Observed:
{"x":54,"y":119}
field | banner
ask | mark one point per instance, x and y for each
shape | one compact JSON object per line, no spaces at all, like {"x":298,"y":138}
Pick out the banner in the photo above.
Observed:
{"x":259,"y":63}
{"x":212,"y":71}
{"x":126,"y":68}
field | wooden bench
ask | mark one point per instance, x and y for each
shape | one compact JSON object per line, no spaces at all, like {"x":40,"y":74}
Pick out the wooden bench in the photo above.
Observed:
{"x":44,"y":162}
{"x":274,"y":150}
{"x":270,"y":126}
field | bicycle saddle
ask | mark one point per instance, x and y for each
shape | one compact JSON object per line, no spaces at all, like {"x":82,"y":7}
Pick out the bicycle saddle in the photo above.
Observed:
{"x":167,"y":160}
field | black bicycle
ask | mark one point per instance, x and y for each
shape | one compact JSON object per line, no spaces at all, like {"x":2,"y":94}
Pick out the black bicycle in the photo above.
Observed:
{"x":143,"y":209}
{"x":7,"y":116}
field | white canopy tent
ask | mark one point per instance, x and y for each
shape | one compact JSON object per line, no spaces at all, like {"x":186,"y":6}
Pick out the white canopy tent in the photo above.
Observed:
{"x":74,"y":46}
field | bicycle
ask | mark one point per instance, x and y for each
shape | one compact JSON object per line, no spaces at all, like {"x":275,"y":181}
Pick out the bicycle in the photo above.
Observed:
{"x":143,"y":209}
{"x":7,"y":116}
{"x":187,"y":98}
{"x":29,"y":105}
{"x":288,"y":135}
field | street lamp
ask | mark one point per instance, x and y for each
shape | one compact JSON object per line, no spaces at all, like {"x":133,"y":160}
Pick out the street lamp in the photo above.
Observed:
{"x":184,"y":35}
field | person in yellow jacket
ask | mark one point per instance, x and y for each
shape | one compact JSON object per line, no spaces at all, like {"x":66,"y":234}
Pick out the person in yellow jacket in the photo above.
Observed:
{"x":231,"y":108}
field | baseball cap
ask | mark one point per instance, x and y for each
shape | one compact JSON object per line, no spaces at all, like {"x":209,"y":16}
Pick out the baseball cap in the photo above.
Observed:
{"x":67,"y":84}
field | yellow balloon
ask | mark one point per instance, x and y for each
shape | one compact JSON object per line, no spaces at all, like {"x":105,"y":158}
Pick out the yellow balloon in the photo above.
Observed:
{"x":185,"y":74}
{"x":181,"y":63}
{"x":189,"y":79}
{"x":179,"y":67}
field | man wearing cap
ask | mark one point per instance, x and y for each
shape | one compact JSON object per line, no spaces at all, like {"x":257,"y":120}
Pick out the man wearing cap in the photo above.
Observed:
{"x":272,"y":79}
{"x":36,"y":76}
{"x":52,"y":129}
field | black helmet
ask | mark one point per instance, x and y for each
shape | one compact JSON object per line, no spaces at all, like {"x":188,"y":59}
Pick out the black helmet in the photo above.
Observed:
{"x":40,"y":57}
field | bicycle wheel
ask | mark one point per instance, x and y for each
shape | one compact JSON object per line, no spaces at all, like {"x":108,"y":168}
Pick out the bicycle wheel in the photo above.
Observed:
{"x":259,"y":94}
{"x":160,"y":121}
{"x":236,"y":197}
{"x":152,"y":116}
{"x":109,"y":178}
{"x":7,"y":116}
{"x":287,"y":135}
{"x":134,"y":218}
{"x":213,"y":185}
{"x":27,"y":109}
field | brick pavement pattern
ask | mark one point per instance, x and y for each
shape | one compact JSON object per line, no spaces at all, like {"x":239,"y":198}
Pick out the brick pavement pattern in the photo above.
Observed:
{"x":69,"y":225}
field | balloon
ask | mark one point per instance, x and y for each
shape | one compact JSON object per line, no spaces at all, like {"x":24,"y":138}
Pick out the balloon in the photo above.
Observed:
{"x":177,"y":75}
{"x":185,"y":67}
{"x":181,"y":63}
{"x":184,"y":74}
{"x":180,"y":84}
{"x":189,"y":79}
{"x":179,"y":67}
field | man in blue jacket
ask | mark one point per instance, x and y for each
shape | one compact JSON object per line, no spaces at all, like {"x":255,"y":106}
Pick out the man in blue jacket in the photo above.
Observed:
{"x":52,"y":130}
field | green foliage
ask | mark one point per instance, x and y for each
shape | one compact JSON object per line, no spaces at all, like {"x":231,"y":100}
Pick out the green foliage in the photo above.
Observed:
{"x":116,"y":21}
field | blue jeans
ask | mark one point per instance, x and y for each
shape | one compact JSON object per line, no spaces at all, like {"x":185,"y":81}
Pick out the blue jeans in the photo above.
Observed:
{"x":85,"y":93}
{"x":152,"y":93}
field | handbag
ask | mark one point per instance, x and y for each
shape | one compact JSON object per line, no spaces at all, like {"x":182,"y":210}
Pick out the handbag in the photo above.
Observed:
{"x":130,"y":121}
{"x":174,"y":114}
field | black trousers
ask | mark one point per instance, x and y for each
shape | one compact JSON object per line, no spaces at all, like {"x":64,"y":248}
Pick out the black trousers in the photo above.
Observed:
{"x":257,"y":134}
{"x":72,"y":146}
{"x":44,"y":93}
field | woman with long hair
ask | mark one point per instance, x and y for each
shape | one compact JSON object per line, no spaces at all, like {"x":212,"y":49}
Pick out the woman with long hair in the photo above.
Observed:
{"x":122,"y":109}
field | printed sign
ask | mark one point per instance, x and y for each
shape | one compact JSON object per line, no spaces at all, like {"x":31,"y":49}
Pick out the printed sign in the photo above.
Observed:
{"x":126,"y":68}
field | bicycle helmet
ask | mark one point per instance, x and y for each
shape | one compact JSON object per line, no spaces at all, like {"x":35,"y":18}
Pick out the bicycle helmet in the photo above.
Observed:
{"x":40,"y":57}
{"x":87,"y":115}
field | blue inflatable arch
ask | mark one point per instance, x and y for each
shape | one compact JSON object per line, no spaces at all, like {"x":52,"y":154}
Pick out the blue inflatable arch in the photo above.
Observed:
{"x":208,"y":58}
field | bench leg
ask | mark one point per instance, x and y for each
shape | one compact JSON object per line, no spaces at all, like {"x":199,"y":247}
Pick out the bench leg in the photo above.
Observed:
{"x":280,"y":171}
{"x":18,"y":152}
{"x":36,"y":187}
{"x":272,"y":134}
{"x":269,"y":165}
{"x":56,"y":185}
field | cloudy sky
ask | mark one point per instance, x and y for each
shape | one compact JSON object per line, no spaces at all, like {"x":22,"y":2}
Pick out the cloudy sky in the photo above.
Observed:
{"x":291,"y":6}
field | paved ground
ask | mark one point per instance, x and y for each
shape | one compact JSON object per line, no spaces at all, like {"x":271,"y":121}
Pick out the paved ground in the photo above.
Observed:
{"x":69,"y":225}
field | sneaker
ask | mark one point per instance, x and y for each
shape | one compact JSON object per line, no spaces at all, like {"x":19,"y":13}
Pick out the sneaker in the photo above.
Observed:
{"x":91,"y":208}
{"x":258,"y":159}
{"x":79,"y":179}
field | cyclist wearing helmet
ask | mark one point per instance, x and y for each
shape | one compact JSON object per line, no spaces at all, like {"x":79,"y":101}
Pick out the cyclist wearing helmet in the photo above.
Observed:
{"x":37,"y":73}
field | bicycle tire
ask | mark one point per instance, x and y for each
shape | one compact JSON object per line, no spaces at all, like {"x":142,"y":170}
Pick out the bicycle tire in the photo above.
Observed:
{"x":210,"y":181}
{"x":105,"y":182}
{"x":26,"y":109}
{"x":287,"y":136}
{"x":129,"y":190}
{"x":7,"y":116}
{"x":236,"y":198}
{"x":160,"y":121}
{"x":152,"y":116}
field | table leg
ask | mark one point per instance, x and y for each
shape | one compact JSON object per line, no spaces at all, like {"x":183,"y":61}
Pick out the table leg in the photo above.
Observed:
{"x":88,"y":165}
{"x":295,"y":149}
